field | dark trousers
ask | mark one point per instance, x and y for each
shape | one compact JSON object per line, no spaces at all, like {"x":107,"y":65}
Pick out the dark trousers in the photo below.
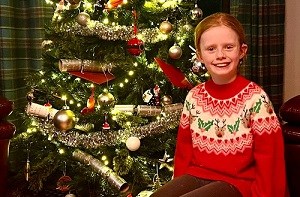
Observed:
{"x":190,"y":186}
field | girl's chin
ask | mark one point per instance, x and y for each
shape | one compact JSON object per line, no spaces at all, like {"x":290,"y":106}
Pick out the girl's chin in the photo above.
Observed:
{"x":223,"y":74}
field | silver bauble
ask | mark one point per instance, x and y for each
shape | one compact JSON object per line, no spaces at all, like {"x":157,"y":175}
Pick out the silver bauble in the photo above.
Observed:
{"x":198,"y":67}
{"x":175,"y":52}
{"x":196,"y":13}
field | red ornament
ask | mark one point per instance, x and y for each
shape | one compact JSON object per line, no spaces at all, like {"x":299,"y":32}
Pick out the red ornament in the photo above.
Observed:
{"x":174,"y":74}
{"x":113,"y":4}
{"x":135,"y":46}
{"x":90,"y":105}
{"x":105,"y":125}
{"x":63,"y":183}
{"x":6,"y":107}
{"x":98,"y":78}
{"x":48,"y":105}
{"x":86,"y":111}
{"x":7,"y":130}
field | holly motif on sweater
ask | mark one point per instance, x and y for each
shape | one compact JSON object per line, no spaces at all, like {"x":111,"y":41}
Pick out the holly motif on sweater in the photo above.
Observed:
{"x":257,"y":107}
{"x":204,"y":126}
{"x":234,"y":128}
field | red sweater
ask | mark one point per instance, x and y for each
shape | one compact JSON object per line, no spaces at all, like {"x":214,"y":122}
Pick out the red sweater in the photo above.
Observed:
{"x":231,"y":133}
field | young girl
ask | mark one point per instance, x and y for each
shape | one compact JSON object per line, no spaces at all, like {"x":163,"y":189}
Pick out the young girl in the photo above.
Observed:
{"x":229,"y":141}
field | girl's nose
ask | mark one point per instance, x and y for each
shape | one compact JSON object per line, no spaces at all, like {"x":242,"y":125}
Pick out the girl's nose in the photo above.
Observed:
{"x":220,"y":53}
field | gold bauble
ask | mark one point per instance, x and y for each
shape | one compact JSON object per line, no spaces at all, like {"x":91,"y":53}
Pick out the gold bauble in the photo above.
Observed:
{"x":106,"y":99}
{"x":83,"y":18}
{"x":64,"y":120}
{"x":175,"y":52}
{"x":166,"y":100}
{"x":166,"y":27}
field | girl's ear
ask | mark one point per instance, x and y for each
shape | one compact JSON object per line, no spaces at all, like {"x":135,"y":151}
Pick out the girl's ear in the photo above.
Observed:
{"x":199,"y":57}
{"x":244,"y":49}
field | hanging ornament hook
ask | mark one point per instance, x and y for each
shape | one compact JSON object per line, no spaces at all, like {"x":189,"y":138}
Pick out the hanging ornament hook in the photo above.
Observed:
{"x":65,"y":168}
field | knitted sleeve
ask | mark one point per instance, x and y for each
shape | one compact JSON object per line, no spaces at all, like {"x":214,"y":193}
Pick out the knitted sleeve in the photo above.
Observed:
{"x":270,"y":179}
{"x":183,"y":152}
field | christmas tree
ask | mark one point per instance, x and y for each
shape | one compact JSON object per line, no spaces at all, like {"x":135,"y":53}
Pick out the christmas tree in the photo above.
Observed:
{"x":103,"y":113}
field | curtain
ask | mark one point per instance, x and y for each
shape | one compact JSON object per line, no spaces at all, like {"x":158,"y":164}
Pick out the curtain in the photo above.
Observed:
{"x":263,"y":21}
{"x":21,"y":34}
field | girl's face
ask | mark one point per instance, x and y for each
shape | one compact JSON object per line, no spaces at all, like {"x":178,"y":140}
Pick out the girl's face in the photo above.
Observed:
{"x":221,"y":53}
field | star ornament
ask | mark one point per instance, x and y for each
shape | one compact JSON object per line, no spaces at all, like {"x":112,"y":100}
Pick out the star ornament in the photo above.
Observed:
{"x":166,"y":162}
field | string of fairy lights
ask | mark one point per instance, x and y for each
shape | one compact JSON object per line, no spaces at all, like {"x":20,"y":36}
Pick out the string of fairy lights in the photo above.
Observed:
{"x":60,"y":126}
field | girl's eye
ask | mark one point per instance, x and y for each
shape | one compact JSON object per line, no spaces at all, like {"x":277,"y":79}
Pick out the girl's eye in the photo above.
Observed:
{"x":228,"y":47}
{"x":210,"y":48}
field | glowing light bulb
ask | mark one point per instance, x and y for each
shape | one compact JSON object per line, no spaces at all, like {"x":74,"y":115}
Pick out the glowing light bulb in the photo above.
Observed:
{"x":105,"y":21}
{"x":130,"y":73}
{"x":33,"y":123}
{"x":104,"y":157}
{"x":54,"y":76}
{"x":49,"y":2}
{"x":88,"y":6}
{"x":61,"y":151}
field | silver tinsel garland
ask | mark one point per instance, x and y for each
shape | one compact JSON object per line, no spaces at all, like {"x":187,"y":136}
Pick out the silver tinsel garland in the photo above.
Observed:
{"x":110,"y":138}
{"x":109,"y":32}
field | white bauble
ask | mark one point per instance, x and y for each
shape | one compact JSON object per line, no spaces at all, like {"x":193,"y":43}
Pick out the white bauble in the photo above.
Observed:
{"x":133,"y":143}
